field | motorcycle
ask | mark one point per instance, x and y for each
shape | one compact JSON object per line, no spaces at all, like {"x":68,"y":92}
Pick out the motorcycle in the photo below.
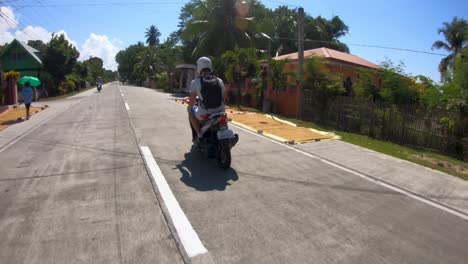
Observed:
{"x":217,"y":139}
{"x":99,"y":87}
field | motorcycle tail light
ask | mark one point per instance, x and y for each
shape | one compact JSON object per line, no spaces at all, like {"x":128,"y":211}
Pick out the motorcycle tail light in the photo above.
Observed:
{"x":223,"y":121}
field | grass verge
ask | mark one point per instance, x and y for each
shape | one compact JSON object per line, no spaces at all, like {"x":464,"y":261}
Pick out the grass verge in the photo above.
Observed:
{"x":425,"y":158}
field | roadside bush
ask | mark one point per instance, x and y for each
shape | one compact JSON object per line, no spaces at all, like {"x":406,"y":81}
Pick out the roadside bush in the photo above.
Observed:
{"x":163,"y":83}
{"x":232,"y":97}
{"x":66,"y":87}
{"x":247,"y":99}
{"x":75,"y":80}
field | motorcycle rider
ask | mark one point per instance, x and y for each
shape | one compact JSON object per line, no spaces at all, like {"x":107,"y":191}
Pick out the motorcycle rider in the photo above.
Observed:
{"x":99,"y":83}
{"x":210,"y":91}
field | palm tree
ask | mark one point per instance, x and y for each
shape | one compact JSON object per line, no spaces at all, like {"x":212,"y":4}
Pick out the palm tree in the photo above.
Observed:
{"x":152,"y":36}
{"x":147,"y":65}
{"x":456,"y":36}
{"x":241,"y":64}
{"x":215,"y":26}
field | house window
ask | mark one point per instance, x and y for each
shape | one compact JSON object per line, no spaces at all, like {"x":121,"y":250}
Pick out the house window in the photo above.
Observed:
{"x":18,"y":56}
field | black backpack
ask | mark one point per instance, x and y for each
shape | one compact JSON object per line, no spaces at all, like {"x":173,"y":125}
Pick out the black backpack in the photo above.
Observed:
{"x":211,"y":92}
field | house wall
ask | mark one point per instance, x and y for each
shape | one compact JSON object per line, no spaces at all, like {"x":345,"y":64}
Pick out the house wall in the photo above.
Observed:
{"x":287,"y":101}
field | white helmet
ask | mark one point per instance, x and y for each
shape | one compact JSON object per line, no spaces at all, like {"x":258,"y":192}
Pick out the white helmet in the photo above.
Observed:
{"x":204,"y":63}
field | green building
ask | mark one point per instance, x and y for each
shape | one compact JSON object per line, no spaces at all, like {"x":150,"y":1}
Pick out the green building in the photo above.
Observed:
{"x":27,"y":61}
{"x":24,"y":59}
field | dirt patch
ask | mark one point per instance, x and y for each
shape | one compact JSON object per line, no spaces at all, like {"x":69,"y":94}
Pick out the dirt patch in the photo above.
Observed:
{"x":444,"y":164}
{"x":16,"y":115}
{"x":268,"y":124}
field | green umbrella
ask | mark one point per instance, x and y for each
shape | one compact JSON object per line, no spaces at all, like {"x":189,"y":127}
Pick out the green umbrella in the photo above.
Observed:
{"x":33,"y":81}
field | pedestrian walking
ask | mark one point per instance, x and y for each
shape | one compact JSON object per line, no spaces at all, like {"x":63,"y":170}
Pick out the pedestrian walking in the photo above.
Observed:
{"x":27,"y":94}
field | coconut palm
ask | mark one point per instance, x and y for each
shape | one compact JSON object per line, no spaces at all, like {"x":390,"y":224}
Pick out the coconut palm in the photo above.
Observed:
{"x":147,"y":65}
{"x":216,"y":26}
{"x":241,"y":64}
{"x":456,"y":37}
{"x":152,"y":36}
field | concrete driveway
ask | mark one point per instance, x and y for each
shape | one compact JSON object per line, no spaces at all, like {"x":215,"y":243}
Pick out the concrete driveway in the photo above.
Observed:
{"x":75,"y":189}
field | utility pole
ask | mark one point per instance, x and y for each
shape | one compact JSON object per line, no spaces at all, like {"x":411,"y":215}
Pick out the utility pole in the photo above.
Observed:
{"x":300,"y":53}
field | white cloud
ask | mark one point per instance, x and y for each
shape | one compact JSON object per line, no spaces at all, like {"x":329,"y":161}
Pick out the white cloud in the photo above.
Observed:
{"x":9,"y":29}
{"x":36,"y":33}
{"x":96,"y":45}
{"x":100,"y":46}
{"x":7,"y":22}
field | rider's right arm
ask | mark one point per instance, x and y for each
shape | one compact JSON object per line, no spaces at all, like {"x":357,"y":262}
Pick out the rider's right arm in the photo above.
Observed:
{"x":193,"y":99}
{"x":193,"y":93}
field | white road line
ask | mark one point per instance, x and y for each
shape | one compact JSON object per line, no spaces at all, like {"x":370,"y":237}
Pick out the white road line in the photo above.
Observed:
{"x":369,"y":178}
{"x":188,"y":237}
{"x":127,"y":106}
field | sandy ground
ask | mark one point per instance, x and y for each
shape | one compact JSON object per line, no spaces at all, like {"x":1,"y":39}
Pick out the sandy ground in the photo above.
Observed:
{"x":16,"y":115}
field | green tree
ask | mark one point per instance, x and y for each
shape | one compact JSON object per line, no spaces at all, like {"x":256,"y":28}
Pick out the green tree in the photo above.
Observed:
{"x":325,"y":33}
{"x":212,"y":27}
{"x":152,"y":35}
{"x":430,"y":93}
{"x":365,"y":85}
{"x":81,"y":71}
{"x":278,"y":78}
{"x":59,"y":58}
{"x":321,"y":83}
{"x":285,"y":30}
{"x":127,"y":59}
{"x":397,"y":86}
{"x":455,"y":90}
{"x":456,"y":38}
{"x":215,"y":26}
{"x":95,"y":68}
{"x":109,"y":76}
{"x":241,"y":64}
{"x":147,"y":65}
{"x":38,"y":45}
{"x":169,"y":54}
{"x":319,"y":32}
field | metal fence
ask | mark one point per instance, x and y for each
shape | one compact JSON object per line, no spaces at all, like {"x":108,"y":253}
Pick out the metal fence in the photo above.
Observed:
{"x":440,"y":130}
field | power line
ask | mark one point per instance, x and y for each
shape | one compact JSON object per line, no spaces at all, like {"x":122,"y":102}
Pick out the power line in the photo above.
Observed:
{"x":16,"y":10}
{"x":49,"y":16}
{"x":105,"y":4}
{"x":14,"y":24}
{"x":368,"y":46}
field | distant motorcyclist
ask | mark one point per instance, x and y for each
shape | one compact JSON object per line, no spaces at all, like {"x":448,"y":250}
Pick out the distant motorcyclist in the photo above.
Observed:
{"x":99,"y":84}
{"x":210,"y":92}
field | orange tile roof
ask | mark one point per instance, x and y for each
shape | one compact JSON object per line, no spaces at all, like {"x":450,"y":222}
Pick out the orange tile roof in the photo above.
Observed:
{"x":330,"y":54}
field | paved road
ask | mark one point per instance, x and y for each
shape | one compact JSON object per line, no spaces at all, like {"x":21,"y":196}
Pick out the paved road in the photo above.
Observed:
{"x":76,"y":190}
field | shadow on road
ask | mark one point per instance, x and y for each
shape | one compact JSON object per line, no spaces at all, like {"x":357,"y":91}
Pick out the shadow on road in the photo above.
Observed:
{"x":203,"y":174}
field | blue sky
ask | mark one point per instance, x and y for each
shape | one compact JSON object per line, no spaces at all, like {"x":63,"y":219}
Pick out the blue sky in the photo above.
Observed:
{"x":102,"y":30}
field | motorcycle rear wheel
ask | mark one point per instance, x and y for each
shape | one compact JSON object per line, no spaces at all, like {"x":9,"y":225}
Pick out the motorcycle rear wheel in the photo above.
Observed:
{"x":223,"y":156}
